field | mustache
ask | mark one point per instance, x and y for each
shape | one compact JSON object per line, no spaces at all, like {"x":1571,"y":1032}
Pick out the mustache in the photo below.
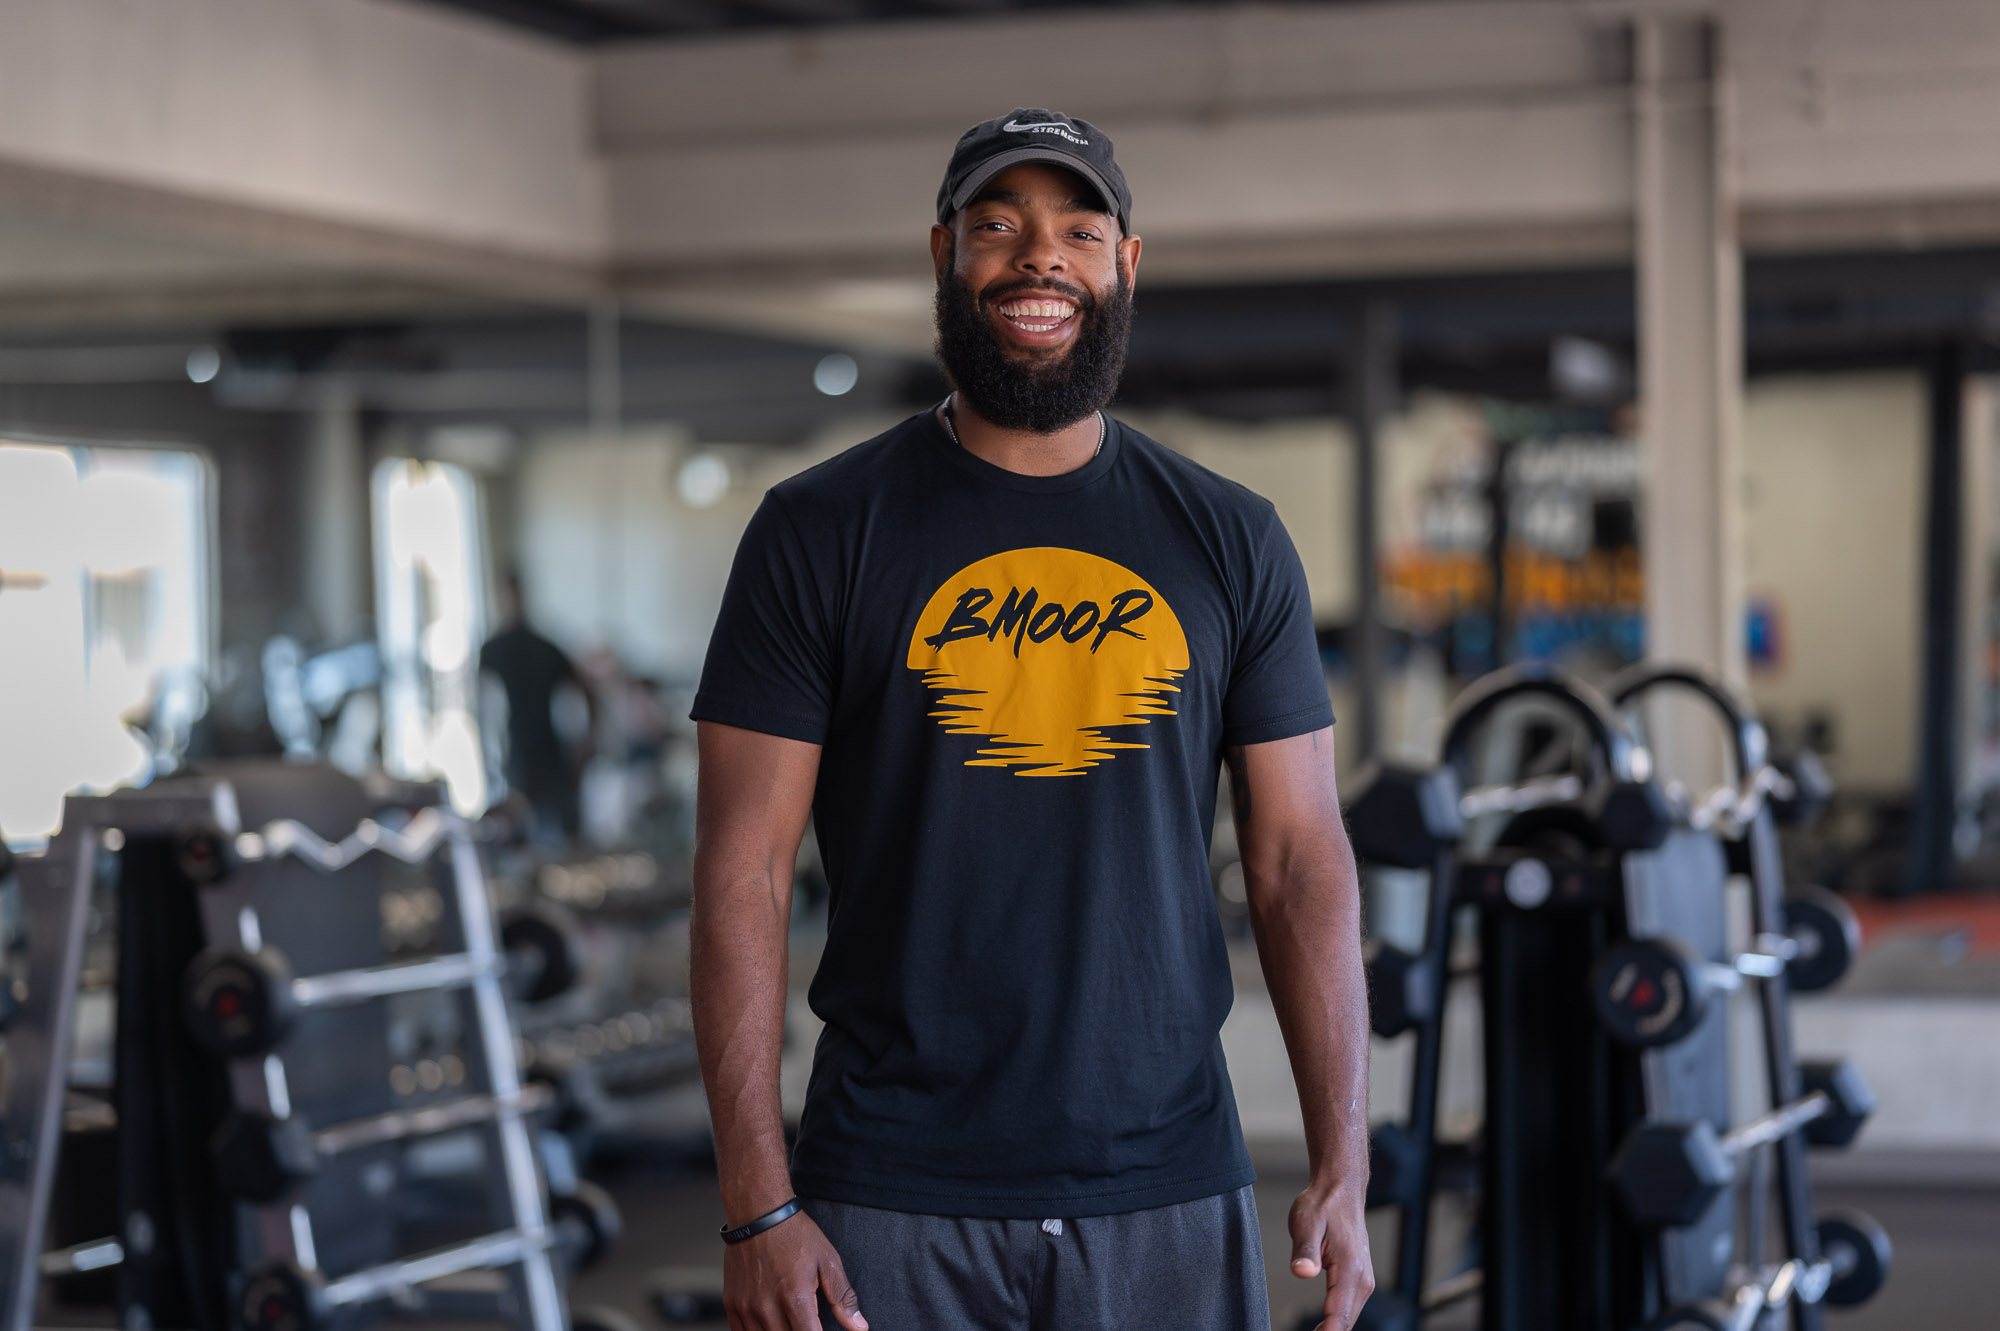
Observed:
{"x":1000,"y":291}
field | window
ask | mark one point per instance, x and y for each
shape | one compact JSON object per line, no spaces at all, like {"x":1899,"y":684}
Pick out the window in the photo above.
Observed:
{"x":106,"y":621}
{"x":430,"y":593}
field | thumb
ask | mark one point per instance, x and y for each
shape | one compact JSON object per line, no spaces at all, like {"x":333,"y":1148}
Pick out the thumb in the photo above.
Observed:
{"x":840,"y":1296}
{"x":1308,"y":1236}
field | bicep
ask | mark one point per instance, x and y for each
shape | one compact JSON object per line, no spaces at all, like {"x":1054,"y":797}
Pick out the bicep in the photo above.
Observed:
{"x":753,"y":795}
{"x":1284,"y":799}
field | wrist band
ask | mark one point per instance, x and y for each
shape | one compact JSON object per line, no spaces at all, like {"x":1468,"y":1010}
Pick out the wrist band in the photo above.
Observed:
{"x":769,"y":1220}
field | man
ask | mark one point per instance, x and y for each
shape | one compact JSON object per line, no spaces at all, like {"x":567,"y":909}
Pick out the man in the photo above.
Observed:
{"x":531,"y":672}
{"x":1000,"y":652}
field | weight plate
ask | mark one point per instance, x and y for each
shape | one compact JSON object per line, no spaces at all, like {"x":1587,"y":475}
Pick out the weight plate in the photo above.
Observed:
{"x":206,"y":856}
{"x":1650,"y":991}
{"x":1860,"y":1251}
{"x":541,"y":945}
{"x":281,"y":1297}
{"x":237,"y":1003}
{"x":1828,"y":937}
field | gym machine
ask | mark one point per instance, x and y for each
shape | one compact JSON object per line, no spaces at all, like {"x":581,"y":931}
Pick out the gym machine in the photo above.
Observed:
{"x":1604,"y":884}
{"x":260,"y":1120}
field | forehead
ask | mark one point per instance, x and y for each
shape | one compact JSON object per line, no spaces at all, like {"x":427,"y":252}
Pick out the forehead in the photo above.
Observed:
{"x":1046,"y":186}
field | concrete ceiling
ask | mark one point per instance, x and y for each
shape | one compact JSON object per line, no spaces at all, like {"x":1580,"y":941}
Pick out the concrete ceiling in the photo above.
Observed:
{"x":600,"y":21}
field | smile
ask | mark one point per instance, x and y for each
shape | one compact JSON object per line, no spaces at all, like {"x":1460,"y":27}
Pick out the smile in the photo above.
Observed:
{"x":1037,"y":316}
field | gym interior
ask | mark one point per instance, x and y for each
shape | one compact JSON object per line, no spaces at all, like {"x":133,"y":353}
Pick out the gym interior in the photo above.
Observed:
{"x":1625,"y":372}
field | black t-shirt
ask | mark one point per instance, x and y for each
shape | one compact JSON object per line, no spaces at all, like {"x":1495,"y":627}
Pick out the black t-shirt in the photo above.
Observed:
{"x":1023,"y":686}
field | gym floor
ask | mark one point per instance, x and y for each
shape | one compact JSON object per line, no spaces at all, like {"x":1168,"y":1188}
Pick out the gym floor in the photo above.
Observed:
{"x":1946,"y":1240}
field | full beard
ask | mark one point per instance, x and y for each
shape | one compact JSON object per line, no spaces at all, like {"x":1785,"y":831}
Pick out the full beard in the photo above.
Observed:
{"x":1038,"y":393}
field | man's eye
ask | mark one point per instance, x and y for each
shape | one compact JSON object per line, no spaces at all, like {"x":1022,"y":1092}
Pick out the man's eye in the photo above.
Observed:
{"x":990,"y":226}
{"x":1084,"y":235}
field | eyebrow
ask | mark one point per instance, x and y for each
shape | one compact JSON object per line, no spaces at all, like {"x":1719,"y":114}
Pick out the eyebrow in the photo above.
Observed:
{"x":1015,"y":200}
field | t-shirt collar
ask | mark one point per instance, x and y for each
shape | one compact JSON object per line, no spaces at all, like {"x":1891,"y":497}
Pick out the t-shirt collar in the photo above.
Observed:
{"x":986,"y":471}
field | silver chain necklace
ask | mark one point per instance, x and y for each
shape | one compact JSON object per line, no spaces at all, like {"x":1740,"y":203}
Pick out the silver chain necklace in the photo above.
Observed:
{"x":952,"y":430}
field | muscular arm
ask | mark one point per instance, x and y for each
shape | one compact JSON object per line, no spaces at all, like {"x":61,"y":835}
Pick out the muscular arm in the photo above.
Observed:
{"x":751,"y":804}
{"x":1305,"y":908}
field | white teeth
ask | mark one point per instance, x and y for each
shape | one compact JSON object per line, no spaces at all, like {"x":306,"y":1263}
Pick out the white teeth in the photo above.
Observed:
{"x":1058,"y":310}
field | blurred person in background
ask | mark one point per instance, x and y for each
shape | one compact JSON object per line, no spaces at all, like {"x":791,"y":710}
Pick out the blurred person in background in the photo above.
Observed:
{"x":999,"y":654}
{"x":534,"y":675}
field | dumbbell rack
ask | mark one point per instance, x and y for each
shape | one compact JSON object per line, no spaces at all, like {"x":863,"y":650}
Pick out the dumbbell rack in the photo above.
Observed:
{"x":285,"y":1290}
{"x":1582,"y":864}
{"x":1555,"y":1254}
{"x":1747,"y":828}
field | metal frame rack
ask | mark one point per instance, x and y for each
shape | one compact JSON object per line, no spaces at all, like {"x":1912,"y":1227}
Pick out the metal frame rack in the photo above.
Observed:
{"x":238,"y":996}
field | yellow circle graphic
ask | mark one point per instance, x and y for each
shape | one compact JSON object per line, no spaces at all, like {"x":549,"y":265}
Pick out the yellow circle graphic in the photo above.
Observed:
{"x":1041,"y":650}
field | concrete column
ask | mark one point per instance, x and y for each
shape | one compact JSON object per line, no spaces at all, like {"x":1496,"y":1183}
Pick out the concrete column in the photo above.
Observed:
{"x":1690,"y":371}
{"x":1371,"y":375}
{"x":337,"y":545}
{"x":607,"y":393}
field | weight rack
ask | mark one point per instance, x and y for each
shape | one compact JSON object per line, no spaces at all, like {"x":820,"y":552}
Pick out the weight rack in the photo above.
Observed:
{"x":1582,"y":864}
{"x":259,"y":1257}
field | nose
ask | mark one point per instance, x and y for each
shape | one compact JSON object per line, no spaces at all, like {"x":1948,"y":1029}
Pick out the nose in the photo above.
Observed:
{"x":1040,"y":252}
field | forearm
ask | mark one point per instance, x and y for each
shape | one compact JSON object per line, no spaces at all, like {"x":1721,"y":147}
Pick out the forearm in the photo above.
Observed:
{"x":738,"y":966}
{"x":1306,"y":915}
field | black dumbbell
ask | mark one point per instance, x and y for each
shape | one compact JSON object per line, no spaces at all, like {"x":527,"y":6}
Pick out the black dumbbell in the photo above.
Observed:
{"x":1403,"y":816}
{"x":1655,"y":991}
{"x":1634,"y":815}
{"x":1825,"y":938}
{"x":543,"y":959}
{"x":243,"y":1002}
{"x":263,"y":1159}
{"x":1668,"y":1174}
{"x":1402,"y":990}
{"x":206,"y":855}
{"x":281,"y":1297}
{"x":1855,"y":1253}
{"x":1395,"y":1161}
{"x":1853,"y":1264}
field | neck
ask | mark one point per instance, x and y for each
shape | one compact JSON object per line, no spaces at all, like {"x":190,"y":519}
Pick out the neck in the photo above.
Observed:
{"x":1023,"y":451}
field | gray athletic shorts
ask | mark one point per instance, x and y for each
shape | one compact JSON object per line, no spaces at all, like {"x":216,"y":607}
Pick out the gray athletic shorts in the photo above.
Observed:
{"x":1197,"y":1266}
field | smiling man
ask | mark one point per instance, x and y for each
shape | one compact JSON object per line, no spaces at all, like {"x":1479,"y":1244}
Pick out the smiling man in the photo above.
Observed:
{"x":1000,"y":654}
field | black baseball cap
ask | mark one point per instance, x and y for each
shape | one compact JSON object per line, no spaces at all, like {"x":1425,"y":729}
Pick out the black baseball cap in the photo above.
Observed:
{"x":1031,"y":134}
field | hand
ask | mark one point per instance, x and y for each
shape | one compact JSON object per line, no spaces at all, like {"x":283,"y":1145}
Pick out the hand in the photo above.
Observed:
{"x":1330,"y":1234}
{"x":773,"y":1281}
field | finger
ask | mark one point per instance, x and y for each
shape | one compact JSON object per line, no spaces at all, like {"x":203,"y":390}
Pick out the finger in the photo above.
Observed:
{"x":1308,"y":1236}
{"x":840,"y":1295}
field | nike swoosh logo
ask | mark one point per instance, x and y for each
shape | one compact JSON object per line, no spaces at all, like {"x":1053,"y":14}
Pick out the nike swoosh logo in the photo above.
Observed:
{"x":1016,"y":127}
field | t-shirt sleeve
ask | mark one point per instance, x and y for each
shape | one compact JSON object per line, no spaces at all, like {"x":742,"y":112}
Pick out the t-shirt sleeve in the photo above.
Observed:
{"x":1277,"y":687}
{"x":770,"y":664}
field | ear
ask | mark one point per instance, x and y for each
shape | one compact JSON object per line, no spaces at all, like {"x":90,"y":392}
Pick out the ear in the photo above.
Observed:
{"x":1128,"y":254}
{"x":941,"y":242}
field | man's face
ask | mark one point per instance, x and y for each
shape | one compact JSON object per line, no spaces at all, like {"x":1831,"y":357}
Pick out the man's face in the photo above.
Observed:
{"x":1034,"y":299}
